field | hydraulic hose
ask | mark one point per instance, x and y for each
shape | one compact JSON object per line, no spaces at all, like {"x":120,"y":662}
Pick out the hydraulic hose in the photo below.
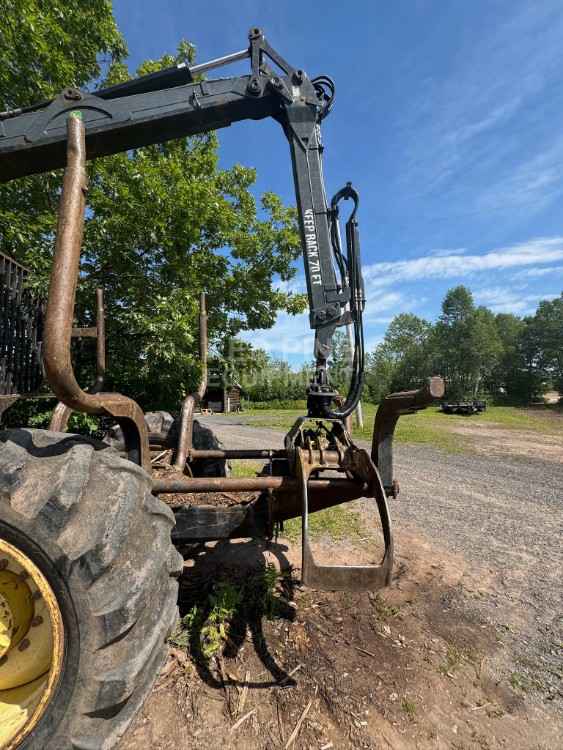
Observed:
{"x":351,"y":275}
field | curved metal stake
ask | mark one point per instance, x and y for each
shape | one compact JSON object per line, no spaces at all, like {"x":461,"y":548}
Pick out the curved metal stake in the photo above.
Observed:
{"x":185,"y":440}
{"x":62,"y":412}
{"x":60,"y":308}
{"x":389,"y":410}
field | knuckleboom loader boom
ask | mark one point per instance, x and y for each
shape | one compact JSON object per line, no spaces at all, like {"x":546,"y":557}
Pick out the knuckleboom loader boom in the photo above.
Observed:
{"x":177,"y":102}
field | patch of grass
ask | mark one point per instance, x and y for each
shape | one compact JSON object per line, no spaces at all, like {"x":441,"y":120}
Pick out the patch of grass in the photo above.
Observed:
{"x":383,"y":611}
{"x":205,"y":629}
{"x":519,"y":682}
{"x":510,"y":417}
{"x":524,"y":683}
{"x":454,"y":659}
{"x":513,"y":417}
{"x":430,"y":426}
{"x":245,"y":468}
{"x":409,"y":707}
{"x":277,"y":419}
{"x":337,"y":523}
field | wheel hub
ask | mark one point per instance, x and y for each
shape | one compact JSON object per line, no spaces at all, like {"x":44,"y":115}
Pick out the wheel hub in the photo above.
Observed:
{"x":31,"y":645}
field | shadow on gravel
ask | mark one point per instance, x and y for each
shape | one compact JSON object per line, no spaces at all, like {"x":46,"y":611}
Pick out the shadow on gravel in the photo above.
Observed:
{"x":225,"y":594}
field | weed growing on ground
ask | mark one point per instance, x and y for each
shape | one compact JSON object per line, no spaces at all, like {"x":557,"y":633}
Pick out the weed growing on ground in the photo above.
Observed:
{"x":225,"y":601}
{"x":268,"y":594}
{"x":524,"y":683}
{"x":519,"y":682}
{"x":383,"y":611}
{"x":181,"y":635}
{"x":454,"y":658}
{"x":409,"y":707}
{"x":204,"y":629}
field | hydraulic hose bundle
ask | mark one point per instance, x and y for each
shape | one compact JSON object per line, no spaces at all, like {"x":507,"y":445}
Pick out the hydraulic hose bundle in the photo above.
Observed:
{"x":349,"y":267}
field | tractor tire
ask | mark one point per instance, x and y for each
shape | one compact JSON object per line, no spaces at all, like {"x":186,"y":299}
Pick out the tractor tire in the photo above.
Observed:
{"x":86,"y":519}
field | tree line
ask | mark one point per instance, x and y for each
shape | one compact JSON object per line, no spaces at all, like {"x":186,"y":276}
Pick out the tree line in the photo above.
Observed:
{"x":504,"y":356}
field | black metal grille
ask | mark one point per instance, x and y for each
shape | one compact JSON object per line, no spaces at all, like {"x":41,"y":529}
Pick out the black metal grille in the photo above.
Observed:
{"x":21,"y":317}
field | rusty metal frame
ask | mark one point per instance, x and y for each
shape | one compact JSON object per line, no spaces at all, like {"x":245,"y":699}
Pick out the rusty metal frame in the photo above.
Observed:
{"x":60,"y":308}
{"x":62,"y":412}
{"x":344,"y":577}
{"x":185,"y":440}
{"x":250,"y":484}
{"x":20,"y":323}
{"x":390,"y":409}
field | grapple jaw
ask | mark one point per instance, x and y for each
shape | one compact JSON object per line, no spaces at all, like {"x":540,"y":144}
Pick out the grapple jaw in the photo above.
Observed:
{"x":323,"y":449}
{"x":314,"y":451}
{"x":345,"y":577}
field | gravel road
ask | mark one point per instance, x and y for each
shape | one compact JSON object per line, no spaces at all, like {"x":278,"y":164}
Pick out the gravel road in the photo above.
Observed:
{"x":504,"y":515}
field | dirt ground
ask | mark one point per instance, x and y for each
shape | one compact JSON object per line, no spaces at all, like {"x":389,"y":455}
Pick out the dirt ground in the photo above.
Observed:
{"x":492,"y":439}
{"x":463,"y":650}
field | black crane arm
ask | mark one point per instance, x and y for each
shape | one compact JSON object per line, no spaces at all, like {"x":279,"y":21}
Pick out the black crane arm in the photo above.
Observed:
{"x":172,"y":104}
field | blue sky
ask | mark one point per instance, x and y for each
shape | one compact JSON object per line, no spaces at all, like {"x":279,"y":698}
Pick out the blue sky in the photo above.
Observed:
{"x":448,"y":119}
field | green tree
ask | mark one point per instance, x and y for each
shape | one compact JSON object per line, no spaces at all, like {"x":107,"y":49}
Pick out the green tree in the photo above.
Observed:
{"x":44,"y":47}
{"x":466,"y":343}
{"x":505,"y":379}
{"x":529,"y":374}
{"x":163,"y":222}
{"x":340,"y":364}
{"x":380,"y":368}
{"x":532,"y":353}
{"x":403,"y":359}
{"x":408,"y":340}
{"x":548,"y":325}
{"x":162,"y":218}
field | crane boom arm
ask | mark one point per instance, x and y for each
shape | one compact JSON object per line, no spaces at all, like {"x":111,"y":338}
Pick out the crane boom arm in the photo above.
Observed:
{"x":171,"y":104}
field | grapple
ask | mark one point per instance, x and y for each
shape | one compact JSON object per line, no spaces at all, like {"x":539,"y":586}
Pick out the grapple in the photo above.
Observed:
{"x":320,"y":466}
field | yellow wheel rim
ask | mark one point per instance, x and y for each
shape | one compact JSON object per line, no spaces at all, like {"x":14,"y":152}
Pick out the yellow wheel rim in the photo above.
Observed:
{"x":31,"y":645}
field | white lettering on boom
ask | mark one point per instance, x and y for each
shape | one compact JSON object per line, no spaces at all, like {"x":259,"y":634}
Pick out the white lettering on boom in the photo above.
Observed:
{"x":312,"y":247}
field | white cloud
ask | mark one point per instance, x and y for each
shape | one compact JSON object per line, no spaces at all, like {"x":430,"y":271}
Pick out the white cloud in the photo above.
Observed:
{"x":481,"y":116}
{"x":290,"y":335}
{"x":442,"y":252}
{"x":533,"y":252}
{"x":506,"y":300}
{"x":536,"y":273}
{"x":532,"y":184}
{"x":378,"y":302}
